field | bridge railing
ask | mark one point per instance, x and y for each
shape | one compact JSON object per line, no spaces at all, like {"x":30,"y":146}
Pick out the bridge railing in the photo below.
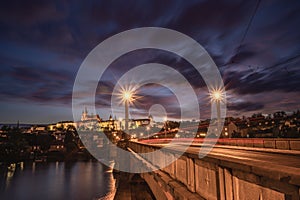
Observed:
{"x":272,"y":143}
{"x":217,"y":177}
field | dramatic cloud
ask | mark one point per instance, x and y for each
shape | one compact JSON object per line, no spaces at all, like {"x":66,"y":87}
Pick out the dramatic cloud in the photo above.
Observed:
{"x":43,"y":43}
{"x":245,"y":106}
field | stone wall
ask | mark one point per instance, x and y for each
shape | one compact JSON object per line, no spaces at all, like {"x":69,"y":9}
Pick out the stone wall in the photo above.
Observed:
{"x":273,"y":143}
{"x":210,"y":178}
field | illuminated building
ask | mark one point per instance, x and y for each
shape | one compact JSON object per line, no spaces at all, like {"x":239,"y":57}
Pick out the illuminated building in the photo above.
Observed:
{"x":88,"y":122}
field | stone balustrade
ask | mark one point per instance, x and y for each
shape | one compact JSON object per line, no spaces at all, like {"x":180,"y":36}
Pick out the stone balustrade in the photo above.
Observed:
{"x":217,"y":177}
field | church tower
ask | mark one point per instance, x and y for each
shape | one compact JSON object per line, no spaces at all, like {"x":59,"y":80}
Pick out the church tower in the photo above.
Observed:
{"x":84,"y":114}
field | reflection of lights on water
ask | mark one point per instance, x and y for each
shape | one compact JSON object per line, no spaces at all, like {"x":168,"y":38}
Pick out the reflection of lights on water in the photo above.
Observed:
{"x":56,"y":168}
{"x":22,"y":166}
{"x":10,"y":173}
{"x":33,"y":167}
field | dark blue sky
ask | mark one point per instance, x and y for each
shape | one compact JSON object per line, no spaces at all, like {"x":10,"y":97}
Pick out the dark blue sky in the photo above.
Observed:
{"x":43,"y":43}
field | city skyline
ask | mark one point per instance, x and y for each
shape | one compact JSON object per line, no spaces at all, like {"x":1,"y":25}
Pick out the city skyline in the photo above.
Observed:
{"x":255,"y":46}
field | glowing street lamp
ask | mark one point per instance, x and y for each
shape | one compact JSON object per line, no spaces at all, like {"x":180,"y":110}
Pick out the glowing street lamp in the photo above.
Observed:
{"x":217,"y":96}
{"x":127,"y":97}
{"x":165,"y":124}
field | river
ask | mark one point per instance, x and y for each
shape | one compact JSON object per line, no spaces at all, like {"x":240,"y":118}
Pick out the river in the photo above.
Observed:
{"x":57,"y":181}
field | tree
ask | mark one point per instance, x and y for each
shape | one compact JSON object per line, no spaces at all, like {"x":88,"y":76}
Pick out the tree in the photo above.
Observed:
{"x":44,"y":141}
{"x":12,"y":150}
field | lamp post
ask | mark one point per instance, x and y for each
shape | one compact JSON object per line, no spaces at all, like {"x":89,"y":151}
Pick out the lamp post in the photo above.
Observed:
{"x":127,"y":98}
{"x":165,"y":124}
{"x":126,"y":116}
{"x":217,"y":97}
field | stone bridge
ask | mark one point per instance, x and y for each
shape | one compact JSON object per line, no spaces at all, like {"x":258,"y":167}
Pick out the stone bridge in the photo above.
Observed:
{"x":226,"y":173}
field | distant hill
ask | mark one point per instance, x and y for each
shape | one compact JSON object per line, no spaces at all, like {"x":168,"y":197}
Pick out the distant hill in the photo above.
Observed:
{"x":15,"y":125}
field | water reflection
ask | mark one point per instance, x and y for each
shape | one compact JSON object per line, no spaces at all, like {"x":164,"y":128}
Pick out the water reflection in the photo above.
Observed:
{"x":57,"y":180}
{"x":33,"y":167}
{"x":10,"y":173}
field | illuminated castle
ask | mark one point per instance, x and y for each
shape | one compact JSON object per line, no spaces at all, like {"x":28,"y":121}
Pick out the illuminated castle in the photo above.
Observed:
{"x":94,"y":122}
{"x":88,"y":122}
{"x":86,"y":117}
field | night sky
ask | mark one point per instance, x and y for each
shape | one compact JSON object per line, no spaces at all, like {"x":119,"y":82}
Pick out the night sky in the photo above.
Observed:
{"x":255,"y":45}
